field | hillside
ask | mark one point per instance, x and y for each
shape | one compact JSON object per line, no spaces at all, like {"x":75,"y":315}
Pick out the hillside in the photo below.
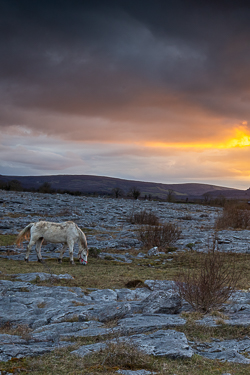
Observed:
{"x":105,"y":185}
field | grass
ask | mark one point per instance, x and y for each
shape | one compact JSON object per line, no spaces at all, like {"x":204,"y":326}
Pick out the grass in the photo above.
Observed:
{"x":7,"y":239}
{"x":203,"y":333}
{"x":111,"y":274}
{"x":61,"y":362}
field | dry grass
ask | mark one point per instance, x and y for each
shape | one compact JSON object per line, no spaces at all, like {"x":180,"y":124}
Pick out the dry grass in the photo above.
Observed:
{"x":211,"y":284}
{"x":21,"y":330}
{"x":126,"y":355}
{"x":204,"y":333}
{"x":143,"y":217}
{"x":163,"y":236}
{"x":41,"y":305}
{"x":61,"y":362}
{"x":235,"y":215}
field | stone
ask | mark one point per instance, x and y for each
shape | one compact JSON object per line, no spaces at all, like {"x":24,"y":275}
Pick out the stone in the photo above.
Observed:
{"x":227,"y":350}
{"x":162,"y":302}
{"x":161,"y":343}
{"x":41,"y":275}
{"x":103,"y":295}
{"x":139,"y":323}
{"x":153,"y":251}
{"x":137,"y":294}
{"x":159,"y":284}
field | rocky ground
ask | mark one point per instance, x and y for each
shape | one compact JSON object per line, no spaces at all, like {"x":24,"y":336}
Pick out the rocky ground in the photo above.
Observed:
{"x":146,"y":316}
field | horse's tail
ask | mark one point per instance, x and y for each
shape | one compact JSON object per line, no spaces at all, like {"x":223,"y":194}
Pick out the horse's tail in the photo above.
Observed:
{"x":24,"y":234}
{"x":83,"y":239}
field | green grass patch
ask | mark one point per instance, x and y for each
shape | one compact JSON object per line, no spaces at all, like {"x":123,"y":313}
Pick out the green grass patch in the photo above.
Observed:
{"x":7,"y":239}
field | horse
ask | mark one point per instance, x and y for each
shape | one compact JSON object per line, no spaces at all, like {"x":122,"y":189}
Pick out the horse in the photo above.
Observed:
{"x":67,"y":233}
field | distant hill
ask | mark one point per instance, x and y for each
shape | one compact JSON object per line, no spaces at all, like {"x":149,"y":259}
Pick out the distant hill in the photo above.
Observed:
{"x":105,"y":185}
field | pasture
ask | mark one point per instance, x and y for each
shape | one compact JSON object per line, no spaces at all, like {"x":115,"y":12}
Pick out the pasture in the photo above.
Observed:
{"x":109,"y":273}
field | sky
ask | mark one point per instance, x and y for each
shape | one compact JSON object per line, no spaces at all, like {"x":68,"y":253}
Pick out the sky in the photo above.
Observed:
{"x":150,"y":90}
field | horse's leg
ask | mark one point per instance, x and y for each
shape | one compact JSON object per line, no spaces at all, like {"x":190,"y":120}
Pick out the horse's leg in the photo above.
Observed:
{"x":71,"y":249}
{"x":31,"y":243}
{"x":38,"y":249}
{"x":63,"y":249}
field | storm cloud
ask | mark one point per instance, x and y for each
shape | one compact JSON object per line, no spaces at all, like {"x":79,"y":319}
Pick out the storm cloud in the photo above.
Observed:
{"x":130,"y":73}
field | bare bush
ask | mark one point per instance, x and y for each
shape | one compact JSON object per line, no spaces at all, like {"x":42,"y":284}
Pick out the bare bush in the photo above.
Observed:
{"x":143,"y":217}
{"x":161,"y":235}
{"x":234,"y":216}
{"x":211,"y":283}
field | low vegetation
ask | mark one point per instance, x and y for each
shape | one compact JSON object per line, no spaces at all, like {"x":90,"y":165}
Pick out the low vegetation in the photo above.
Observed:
{"x":100,"y":273}
{"x":126,"y":355}
{"x":204,"y":333}
{"x":7,"y":239}
{"x":211,"y":283}
{"x":61,"y":362}
{"x":235,"y":215}
{"x":143,"y":217}
{"x":162,"y":235}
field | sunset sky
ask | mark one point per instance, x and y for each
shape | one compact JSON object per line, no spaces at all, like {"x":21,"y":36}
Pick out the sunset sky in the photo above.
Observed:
{"x":152,"y":90}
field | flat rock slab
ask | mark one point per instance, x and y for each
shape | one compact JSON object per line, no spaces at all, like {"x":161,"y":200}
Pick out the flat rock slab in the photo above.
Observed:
{"x":42,"y":276}
{"x":166,"y":302}
{"x":22,"y":348}
{"x":145,"y":322}
{"x":161,"y":343}
{"x":227,"y":350}
{"x":159,"y":284}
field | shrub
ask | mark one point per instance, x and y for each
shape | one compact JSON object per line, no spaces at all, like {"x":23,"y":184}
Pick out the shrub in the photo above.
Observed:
{"x":161,"y":235}
{"x":235,"y":216}
{"x":117,"y":192}
{"x":143,"y":217}
{"x":210,"y":284}
{"x":134,"y":192}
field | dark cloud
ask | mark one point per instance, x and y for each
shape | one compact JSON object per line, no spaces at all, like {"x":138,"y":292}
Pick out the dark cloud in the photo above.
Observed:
{"x":96,"y":58}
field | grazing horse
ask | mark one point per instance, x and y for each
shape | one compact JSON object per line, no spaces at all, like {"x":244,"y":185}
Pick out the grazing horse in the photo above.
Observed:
{"x":67,"y":233}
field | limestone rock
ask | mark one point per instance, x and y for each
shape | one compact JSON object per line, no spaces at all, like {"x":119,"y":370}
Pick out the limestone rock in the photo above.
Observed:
{"x":162,"y":302}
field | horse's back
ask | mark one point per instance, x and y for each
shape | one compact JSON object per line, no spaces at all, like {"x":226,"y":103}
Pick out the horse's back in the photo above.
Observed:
{"x":55,"y":232}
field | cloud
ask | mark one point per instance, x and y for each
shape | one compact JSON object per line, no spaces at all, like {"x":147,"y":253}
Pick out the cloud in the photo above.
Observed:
{"x":145,"y":90}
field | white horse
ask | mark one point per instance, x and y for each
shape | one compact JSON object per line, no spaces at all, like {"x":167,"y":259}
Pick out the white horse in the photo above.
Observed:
{"x":67,"y":233}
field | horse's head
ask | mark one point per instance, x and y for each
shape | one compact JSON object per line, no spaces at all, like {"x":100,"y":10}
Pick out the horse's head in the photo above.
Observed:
{"x":83,"y":256}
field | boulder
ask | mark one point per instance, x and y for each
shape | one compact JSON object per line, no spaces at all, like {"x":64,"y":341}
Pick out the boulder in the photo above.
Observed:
{"x":162,"y":302}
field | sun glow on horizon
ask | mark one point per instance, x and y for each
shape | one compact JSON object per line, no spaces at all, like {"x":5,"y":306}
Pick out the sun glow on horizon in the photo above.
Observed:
{"x":241,"y":139}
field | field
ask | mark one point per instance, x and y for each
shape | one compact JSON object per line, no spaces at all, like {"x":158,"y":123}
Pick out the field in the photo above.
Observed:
{"x":109,"y":273}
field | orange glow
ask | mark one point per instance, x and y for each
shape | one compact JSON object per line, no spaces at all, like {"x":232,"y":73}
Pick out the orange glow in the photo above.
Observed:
{"x":241,"y":139}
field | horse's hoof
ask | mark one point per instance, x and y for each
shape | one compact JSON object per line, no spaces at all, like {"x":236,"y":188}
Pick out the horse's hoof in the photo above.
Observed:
{"x":40,"y":260}
{"x":73,"y":263}
{"x":26,"y":260}
{"x":59,"y":260}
